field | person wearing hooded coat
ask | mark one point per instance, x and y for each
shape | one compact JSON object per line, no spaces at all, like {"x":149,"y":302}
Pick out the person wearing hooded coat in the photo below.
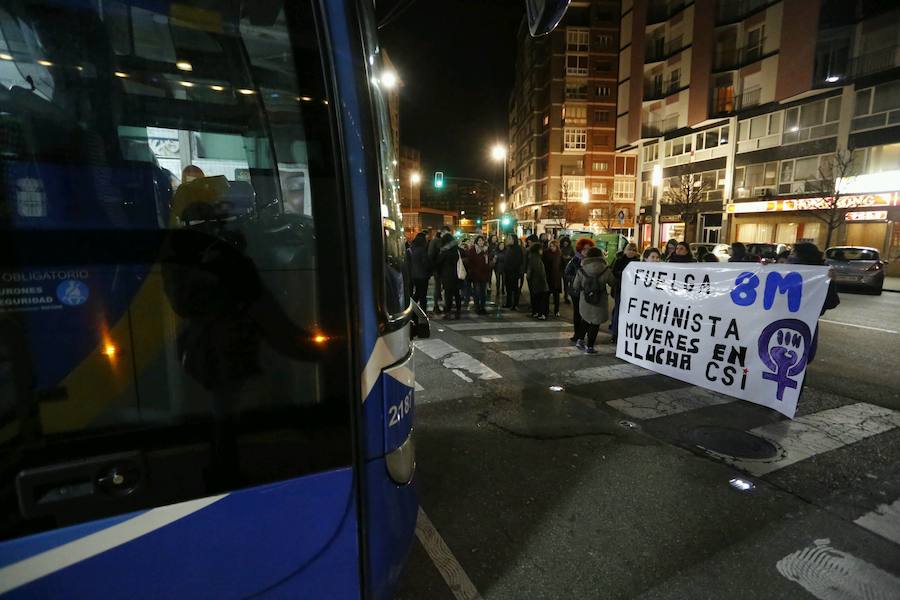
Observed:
{"x":420,"y":269}
{"x":568,"y":251}
{"x":447,"y":260}
{"x":536,"y":275}
{"x":593,"y":315}
{"x":513,"y":266}
{"x":553,"y":263}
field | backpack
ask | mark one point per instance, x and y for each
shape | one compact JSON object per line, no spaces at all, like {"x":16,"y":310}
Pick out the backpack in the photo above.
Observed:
{"x":593,"y":291}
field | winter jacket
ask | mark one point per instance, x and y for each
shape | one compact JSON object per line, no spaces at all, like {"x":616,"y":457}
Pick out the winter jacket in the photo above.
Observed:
{"x":499,"y":259}
{"x":594,"y":267}
{"x":553,"y":264}
{"x":677,"y":258}
{"x":572,"y":270}
{"x":617,"y":269}
{"x":447,"y":259}
{"x":535,"y":272}
{"x":479,"y":265}
{"x":419,"y":265}
{"x":568,"y":250}
{"x":514,"y":260}
{"x":434,"y":251}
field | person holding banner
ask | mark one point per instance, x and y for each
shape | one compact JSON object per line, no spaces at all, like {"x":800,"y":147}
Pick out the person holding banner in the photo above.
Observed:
{"x":652,"y":255}
{"x":590,"y":284}
{"x":629,"y":255}
{"x":682,"y":254}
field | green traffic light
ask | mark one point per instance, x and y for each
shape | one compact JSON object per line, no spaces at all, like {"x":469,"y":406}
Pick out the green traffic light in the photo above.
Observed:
{"x":505,"y":221}
{"x":478,"y":221}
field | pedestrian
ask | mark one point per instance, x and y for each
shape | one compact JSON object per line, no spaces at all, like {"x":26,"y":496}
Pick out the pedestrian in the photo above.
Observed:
{"x":513,"y":265}
{"x":434,"y":251}
{"x":553,"y":264}
{"x":448,"y":267}
{"x":701,"y":252}
{"x":565,"y":247}
{"x":652,"y":255}
{"x":590,"y":283}
{"x":629,"y":255}
{"x":479,"y":266}
{"x":420,"y":269}
{"x":806,"y":253}
{"x":682,"y":254}
{"x":670,"y":248}
{"x":709,"y":257}
{"x":499,"y":257}
{"x":492,"y":253}
{"x":739,"y":253}
{"x":544,"y":239}
{"x":531,"y":239}
{"x":536,"y":275}
{"x":783,"y":257}
{"x":581,"y":249}
{"x":465,"y":286}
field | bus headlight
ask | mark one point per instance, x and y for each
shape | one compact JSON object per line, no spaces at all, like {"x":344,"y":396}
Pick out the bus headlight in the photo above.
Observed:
{"x":401,"y":463}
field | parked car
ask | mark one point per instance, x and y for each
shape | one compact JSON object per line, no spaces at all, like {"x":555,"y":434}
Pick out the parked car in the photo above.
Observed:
{"x":766,"y":252}
{"x":720,"y":251}
{"x":856,"y":266}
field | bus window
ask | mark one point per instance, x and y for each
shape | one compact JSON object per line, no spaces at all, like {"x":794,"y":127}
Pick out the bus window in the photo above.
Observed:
{"x":171,"y":245}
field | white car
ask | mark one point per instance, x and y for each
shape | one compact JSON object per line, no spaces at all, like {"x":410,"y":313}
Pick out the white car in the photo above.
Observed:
{"x":721,"y":251}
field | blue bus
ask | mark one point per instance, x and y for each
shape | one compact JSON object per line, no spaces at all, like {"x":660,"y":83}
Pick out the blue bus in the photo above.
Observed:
{"x":206,"y":386}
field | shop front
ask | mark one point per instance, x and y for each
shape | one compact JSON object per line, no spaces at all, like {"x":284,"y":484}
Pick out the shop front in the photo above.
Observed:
{"x":871,"y":220}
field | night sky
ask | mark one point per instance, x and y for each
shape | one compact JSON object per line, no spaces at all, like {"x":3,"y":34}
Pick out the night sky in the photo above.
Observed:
{"x":456,"y":59}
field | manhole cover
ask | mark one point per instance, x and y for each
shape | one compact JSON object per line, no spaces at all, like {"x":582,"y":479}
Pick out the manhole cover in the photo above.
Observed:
{"x":732,"y":442}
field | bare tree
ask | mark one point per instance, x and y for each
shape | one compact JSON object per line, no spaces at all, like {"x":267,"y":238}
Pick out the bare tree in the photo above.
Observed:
{"x":686,"y":196}
{"x":562,"y":211}
{"x":832,"y":204}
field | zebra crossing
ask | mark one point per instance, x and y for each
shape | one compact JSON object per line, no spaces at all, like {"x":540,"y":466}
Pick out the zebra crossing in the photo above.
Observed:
{"x":544,"y":346}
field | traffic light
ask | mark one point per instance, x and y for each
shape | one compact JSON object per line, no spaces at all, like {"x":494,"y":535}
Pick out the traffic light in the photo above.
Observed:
{"x":505,"y":221}
{"x":478,"y":221}
{"x":438,"y":179}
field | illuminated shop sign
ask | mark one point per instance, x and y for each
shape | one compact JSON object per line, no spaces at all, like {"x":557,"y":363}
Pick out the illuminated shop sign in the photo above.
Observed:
{"x":792,"y":204}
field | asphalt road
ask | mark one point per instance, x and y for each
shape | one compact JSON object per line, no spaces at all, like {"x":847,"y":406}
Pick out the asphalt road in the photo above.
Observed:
{"x":601,"y":490}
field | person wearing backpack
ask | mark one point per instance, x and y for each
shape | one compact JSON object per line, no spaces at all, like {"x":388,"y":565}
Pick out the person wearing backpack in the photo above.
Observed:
{"x":590,"y":283}
{"x":582,"y":247}
{"x":449,"y":264}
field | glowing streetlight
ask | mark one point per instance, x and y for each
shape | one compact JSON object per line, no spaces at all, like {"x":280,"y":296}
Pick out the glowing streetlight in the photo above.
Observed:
{"x":502,"y":207}
{"x":415,"y":178}
{"x":389,"y":80}
{"x":585,"y":196}
{"x":656,"y":180}
{"x":498,"y":152}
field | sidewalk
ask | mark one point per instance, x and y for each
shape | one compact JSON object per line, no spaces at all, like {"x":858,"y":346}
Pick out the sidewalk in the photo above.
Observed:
{"x":892,"y":284}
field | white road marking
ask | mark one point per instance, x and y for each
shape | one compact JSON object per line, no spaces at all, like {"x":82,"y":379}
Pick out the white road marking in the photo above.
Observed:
{"x":883,"y":521}
{"x":522,"y":337}
{"x":662,"y":404}
{"x":552,"y":352}
{"x":506,"y":325}
{"x":447,"y":565}
{"x":830,"y":574}
{"x":813,"y":434}
{"x":859,"y":326}
{"x":458,"y":362}
{"x":606,"y":373}
{"x":66,"y":555}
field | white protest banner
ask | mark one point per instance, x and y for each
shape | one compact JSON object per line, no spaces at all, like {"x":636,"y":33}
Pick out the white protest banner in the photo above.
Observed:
{"x":742,"y":329}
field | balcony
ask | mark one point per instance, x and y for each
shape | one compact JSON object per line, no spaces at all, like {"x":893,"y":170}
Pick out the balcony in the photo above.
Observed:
{"x":735,"y":58}
{"x":660,"y":11}
{"x":875,"y":62}
{"x":724,"y":105}
{"x":657,"y":90}
{"x":657,"y":52}
{"x":732,"y":11}
{"x":659,"y":127}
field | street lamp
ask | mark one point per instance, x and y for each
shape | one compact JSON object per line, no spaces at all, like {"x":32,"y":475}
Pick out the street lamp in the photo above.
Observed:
{"x":656,"y":182}
{"x":389,"y":80}
{"x":502,"y":207}
{"x":415,"y":178}
{"x":498,"y":154}
{"x":585,"y":196}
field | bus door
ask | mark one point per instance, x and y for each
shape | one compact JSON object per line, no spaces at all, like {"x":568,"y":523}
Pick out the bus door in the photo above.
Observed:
{"x":178,"y":398}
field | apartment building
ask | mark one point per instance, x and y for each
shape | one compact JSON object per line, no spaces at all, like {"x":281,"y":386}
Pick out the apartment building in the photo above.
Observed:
{"x":563,"y":169}
{"x":753,"y":101}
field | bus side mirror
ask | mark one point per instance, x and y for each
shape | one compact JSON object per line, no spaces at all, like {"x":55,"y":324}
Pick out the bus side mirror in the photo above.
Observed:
{"x":421,"y":328}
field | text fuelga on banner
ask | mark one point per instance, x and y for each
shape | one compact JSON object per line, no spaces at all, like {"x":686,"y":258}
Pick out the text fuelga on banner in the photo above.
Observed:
{"x":742,"y":329}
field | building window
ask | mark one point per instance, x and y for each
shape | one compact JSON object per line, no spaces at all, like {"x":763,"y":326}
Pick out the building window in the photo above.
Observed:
{"x":577,"y":40}
{"x":601,"y":116}
{"x":576,"y":91}
{"x":576,"y":64}
{"x":604,"y":41}
{"x":575,"y":138}
{"x":603,"y":91}
{"x":600,"y":166}
{"x":873,"y":104}
{"x":651,"y":152}
{"x":598,"y":189}
{"x":711,"y":138}
{"x":623,"y":190}
{"x":755,"y":39}
{"x":575,"y":115}
{"x":571,"y":188}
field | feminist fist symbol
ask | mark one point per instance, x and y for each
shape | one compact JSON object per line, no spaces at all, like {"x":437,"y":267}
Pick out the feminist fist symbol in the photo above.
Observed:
{"x":784,"y":349}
